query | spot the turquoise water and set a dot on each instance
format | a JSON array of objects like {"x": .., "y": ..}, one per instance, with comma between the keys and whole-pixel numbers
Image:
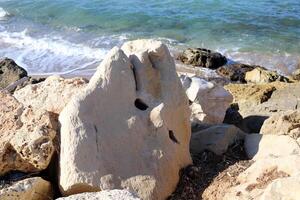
[{"x": 72, "y": 36}]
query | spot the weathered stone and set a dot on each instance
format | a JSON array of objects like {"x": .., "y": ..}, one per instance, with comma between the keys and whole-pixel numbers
[
  {"x": 29, "y": 189},
  {"x": 209, "y": 101},
  {"x": 287, "y": 188},
  {"x": 52, "y": 94},
  {"x": 262, "y": 174},
  {"x": 216, "y": 139},
  {"x": 261, "y": 75},
  {"x": 129, "y": 128},
  {"x": 10, "y": 72},
  {"x": 259, "y": 146},
  {"x": 235, "y": 72},
  {"x": 26, "y": 140},
  {"x": 285, "y": 123},
  {"x": 202, "y": 58},
  {"x": 264, "y": 99},
  {"x": 103, "y": 195},
  {"x": 296, "y": 75}
]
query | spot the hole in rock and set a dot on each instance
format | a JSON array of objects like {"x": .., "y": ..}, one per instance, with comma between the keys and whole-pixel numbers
[
  {"x": 172, "y": 137},
  {"x": 139, "y": 104}
]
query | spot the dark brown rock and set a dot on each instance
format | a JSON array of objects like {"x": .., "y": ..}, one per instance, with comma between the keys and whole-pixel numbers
[
  {"x": 202, "y": 58},
  {"x": 10, "y": 72},
  {"x": 236, "y": 72}
]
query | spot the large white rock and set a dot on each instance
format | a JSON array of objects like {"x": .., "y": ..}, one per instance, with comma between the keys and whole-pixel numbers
[
  {"x": 284, "y": 123},
  {"x": 209, "y": 101},
  {"x": 103, "y": 195},
  {"x": 52, "y": 94},
  {"x": 28, "y": 189},
  {"x": 259, "y": 146},
  {"x": 130, "y": 128},
  {"x": 26, "y": 136}
]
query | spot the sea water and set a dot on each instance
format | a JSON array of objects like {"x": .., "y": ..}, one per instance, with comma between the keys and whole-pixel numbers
[{"x": 73, "y": 36}]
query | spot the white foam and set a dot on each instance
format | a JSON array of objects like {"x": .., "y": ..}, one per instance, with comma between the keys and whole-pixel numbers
[
  {"x": 3, "y": 14},
  {"x": 48, "y": 54}
]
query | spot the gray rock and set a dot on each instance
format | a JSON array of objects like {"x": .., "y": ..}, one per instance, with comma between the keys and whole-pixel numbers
[
  {"x": 202, "y": 58},
  {"x": 10, "y": 72}
]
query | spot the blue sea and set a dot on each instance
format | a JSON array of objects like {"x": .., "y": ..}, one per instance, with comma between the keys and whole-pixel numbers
[{"x": 73, "y": 36}]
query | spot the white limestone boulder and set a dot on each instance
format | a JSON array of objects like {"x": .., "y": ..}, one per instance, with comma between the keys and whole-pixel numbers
[
  {"x": 103, "y": 195},
  {"x": 209, "y": 101},
  {"x": 28, "y": 189},
  {"x": 27, "y": 136},
  {"x": 52, "y": 94},
  {"x": 129, "y": 128}
]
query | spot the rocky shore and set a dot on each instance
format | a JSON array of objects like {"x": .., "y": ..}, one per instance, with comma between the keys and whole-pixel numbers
[{"x": 150, "y": 126}]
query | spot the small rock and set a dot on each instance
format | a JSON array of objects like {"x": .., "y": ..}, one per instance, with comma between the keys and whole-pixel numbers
[
  {"x": 259, "y": 146},
  {"x": 216, "y": 139},
  {"x": 261, "y": 75},
  {"x": 235, "y": 72},
  {"x": 285, "y": 123},
  {"x": 209, "y": 101},
  {"x": 103, "y": 195},
  {"x": 29, "y": 189},
  {"x": 296, "y": 74},
  {"x": 202, "y": 58},
  {"x": 10, "y": 72}
]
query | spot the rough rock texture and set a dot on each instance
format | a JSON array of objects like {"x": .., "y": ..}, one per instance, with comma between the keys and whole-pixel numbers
[
  {"x": 296, "y": 75},
  {"x": 30, "y": 81},
  {"x": 202, "y": 58},
  {"x": 103, "y": 195},
  {"x": 287, "y": 188},
  {"x": 235, "y": 72},
  {"x": 52, "y": 94},
  {"x": 285, "y": 123},
  {"x": 264, "y": 99},
  {"x": 259, "y": 146},
  {"x": 130, "y": 128},
  {"x": 260, "y": 75},
  {"x": 26, "y": 140},
  {"x": 254, "y": 182},
  {"x": 216, "y": 139},
  {"x": 209, "y": 101},
  {"x": 10, "y": 72},
  {"x": 29, "y": 189}
]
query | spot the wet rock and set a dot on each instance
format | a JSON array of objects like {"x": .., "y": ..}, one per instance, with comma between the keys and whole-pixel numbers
[
  {"x": 26, "y": 140},
  {"x": 103, "y": 195},
  {"x": 235, "y": 72},
  {"x": 202, "y": 58},
  {"x": 28, "y": 189},
  {"x": 10, "y": 72},
  {"x": 129, "y": 128}
]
